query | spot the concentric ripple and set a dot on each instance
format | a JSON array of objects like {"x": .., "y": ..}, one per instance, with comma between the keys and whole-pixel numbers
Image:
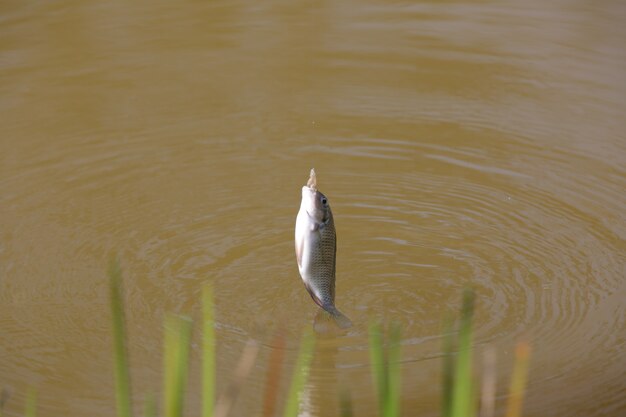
[{"x": 460, "y": 145}]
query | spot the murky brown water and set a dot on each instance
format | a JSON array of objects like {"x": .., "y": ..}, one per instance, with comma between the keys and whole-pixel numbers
[{"x": 461, "y": 144}]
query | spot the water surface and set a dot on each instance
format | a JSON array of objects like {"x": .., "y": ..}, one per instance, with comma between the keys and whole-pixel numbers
[{"x": 460, "y": 144}]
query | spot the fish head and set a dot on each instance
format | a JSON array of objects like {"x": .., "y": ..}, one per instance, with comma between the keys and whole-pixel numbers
[{"x": 316, "y": 205}]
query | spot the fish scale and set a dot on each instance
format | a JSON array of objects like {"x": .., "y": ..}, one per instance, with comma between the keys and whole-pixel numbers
[
  {"x": 316, "y": 249},
  {"x": 323, "y": 261}
]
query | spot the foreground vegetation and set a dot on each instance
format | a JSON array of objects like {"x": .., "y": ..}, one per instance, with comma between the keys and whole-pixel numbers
[{"x": 460, "y": 392}]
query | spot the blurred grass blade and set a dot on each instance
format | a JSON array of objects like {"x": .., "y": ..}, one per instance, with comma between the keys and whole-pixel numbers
[
  {"x": 122, "y": 377},
  {"x": 31, "y": 404},
  {"x": 448, "y": 369},
  {"x": 208, "y": 352},
  {"x": 244, "y": 366},
  {"x": 392, "y": 406},
  {"x": 386, "y": 369},
  {"x": 277, "y": 356},
  {"x": 462, "y": 392},
  {"x": 345, "y": 404},
  {"x": 176, "y": 363},
  {"x": 488, "y": 392},
  {"x": 300, "y": 374},
  {"x": 518, "y": 380},
  {"x": 377, "y": 362}
]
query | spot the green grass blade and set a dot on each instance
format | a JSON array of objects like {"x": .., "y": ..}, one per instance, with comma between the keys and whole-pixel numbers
[
  {"x": 377, "y": 362},
  {"x": 462, "y": 392},
  {"x": 122, "y": 376},
  {"x": 31, "y": 404},
  {"x": 300, "y": 374},
  {"x": 448, "y": 370},
  {"x": 176, "y": 363},
  {"x": 208, "y": 352},
  {"x": 394, "y": 374},
  {"x": 518, "y": 380}
]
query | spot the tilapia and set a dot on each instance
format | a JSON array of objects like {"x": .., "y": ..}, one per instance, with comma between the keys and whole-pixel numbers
[{"x": 316, "y": 249}]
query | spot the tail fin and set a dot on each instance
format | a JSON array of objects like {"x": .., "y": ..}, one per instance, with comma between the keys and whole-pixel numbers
[{"x": 341, "y": 319}]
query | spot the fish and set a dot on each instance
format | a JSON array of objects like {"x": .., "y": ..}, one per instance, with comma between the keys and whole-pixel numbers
[{"x": 316, "y": 249}]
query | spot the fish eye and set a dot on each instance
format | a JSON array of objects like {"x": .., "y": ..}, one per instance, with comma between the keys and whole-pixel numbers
[{"x": 324, "y": 201}]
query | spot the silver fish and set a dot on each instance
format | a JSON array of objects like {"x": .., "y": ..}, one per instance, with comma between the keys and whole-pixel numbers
[{"x": 316, "y": 249}]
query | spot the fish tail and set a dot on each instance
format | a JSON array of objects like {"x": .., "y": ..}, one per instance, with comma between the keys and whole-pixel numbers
[{"x": 341, "y": 319}]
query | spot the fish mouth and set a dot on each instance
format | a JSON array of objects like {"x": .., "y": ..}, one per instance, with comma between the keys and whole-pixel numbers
[
  {"x": 308, "y": 195},
  {"x": 308, "y": 200},
  {"x": 312, "y": 182}
]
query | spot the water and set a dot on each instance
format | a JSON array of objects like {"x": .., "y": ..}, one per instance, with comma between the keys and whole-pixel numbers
[{"x": 460, "y": 144}]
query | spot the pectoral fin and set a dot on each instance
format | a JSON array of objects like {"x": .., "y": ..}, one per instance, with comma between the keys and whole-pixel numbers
[{"x": 313, "y": 296}]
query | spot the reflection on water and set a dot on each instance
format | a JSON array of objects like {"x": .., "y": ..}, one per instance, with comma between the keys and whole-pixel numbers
[{"x": 460, "y": 145}]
